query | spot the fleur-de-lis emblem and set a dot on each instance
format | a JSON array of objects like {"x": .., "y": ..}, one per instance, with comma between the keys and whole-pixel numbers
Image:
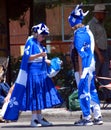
[
  {"x": 13, "y": 102},
  {"x": 27, "y": 50}
]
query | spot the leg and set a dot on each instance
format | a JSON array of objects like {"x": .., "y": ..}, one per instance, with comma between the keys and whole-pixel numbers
[
  {"x": 38, "y": 120},
  {"x": 84, "y": 102},
  {"x": 34, "y": 120},
  {"x": 95, "y": 104}
]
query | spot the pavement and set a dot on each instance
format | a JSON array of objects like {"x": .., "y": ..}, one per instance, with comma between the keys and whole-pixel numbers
[{"x": 62, "y": 113}]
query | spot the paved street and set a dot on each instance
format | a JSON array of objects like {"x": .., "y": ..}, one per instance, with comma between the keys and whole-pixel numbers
[
  {"x": 61, "y": 119},
  {"x": 56, "y": 125}
]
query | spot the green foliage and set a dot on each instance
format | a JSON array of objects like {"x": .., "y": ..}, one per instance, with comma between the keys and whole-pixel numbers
[{"x": 16, "y": 8}]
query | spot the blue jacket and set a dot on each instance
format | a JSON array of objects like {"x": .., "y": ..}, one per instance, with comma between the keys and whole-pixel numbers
[{"x": 4, "y": 88}]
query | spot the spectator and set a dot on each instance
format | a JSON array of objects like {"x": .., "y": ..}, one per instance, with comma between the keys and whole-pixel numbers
[
  {"x": 96, "y": 25},
  {"x": 4, "y": 88}
]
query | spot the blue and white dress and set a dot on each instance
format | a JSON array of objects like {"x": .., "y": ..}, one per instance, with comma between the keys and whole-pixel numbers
[
  {"x": 33, "y": 89},
  {"x": 40, "y": 92}
]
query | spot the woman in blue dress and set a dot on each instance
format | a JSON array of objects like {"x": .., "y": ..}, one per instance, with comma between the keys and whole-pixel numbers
[
  {"x": 37, "y": 89},
  {"x": 40, "y": 90}
]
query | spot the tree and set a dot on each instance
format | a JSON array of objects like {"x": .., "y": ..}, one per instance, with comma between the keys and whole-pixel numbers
[{"x": 16, "y": 8}]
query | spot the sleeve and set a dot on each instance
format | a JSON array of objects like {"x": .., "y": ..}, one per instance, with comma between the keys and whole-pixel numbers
[{"x": 81, "y": 46}]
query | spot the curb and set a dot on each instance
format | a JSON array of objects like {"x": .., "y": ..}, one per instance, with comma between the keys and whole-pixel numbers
[{"x": 63, "y": 113}]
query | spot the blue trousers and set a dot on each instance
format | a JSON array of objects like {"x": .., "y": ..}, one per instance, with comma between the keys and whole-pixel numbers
[{"x": 87, "y": 92}]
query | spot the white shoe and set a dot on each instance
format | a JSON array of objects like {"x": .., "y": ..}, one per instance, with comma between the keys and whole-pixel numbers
[
  {"x": 35, "y": 123},
  {"x": 44, "y": 122}
]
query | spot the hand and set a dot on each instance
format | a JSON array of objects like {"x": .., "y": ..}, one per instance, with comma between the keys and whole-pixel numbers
[
  {"x": 43, "y": 54},
  {"x": 48, "y": 61},
  {"x": 101, "y": 59},
  {"x": 7, "y": 98}
]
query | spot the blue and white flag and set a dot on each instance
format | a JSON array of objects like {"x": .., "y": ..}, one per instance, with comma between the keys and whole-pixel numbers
[{"x": 10, "y": 110}]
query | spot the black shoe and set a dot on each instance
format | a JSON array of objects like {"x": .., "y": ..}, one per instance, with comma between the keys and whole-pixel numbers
[
  {"x": 83, "y": 122},
  {"x": 2, "y": 121},
  {"x": 98, "y": 121}
]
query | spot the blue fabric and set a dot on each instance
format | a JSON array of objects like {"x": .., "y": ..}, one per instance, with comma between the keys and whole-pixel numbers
[
  {"x": 76, "y": 16},
  {"x": 41, "y": 92},
  {"x": 84, "y": 43},
  {"x": 56, "y": 64},
  {"x": 40, "y": 29},
  {"x": 1, "y": 101},
  {"x": 4, "y": 88},
  {"x": 33, "y": 89},
  {"x": 74, "y": 21},
  {"x": 11, "y": 109},
  {"x": 54, "y": 67}
]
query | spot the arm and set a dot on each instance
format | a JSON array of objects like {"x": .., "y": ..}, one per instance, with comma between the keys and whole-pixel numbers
[
  {"x": 9, "y": 94},
  {"x": 80, "y": 65},
  {"x": 101, "y": 58},
  {"x": 42, "y": 54}
]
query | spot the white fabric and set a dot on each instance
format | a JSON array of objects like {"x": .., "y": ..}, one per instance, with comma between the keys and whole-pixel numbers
[
  {"x": 77, "y": 78},
  {"x": 34, "y": 116},
  {"x": 22, "y": 77},
  {"x": 96, "y": 109}
]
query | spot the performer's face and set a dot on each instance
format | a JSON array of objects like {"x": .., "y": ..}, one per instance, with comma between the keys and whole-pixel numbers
[{"x": 41, "y": 37}]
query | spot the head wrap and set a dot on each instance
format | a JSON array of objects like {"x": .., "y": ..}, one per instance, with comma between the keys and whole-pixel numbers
[
  {"x": 76, "y": 16},
  {"x": 40, "y": 29}
]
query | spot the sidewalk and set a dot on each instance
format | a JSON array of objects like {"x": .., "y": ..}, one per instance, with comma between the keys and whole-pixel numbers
[{"x": 63, "y": 113}]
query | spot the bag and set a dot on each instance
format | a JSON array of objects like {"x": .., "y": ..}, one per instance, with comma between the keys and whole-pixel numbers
[{"x": 74, "y": 103}]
